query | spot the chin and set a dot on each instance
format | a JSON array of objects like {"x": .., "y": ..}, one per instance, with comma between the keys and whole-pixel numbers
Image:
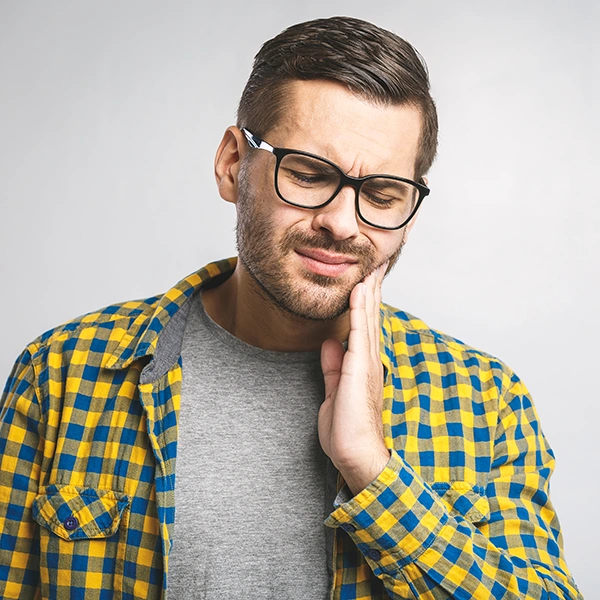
[
  {"x": 316, "y": 313},
  {"x": 315, "y": 303}
]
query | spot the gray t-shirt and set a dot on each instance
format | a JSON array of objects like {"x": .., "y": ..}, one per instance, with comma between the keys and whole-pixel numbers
[{"x": 253, "y": 485}]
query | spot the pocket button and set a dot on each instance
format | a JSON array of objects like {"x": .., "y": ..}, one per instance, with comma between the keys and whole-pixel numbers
[{"x": 71, "y": 523}]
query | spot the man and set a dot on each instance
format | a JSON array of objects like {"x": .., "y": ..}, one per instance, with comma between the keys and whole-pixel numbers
[{"x": 267, "y": 428}]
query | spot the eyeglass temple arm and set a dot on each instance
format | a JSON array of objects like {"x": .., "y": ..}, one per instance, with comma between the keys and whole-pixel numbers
[{"x": 256, "y": 142}]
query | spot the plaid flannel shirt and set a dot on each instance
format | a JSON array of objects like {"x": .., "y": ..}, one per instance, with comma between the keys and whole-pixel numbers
[{"x": 88, "y": 441}]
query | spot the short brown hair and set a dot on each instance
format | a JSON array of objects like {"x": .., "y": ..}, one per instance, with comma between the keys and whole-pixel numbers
[{"x": 370, "y": 61}]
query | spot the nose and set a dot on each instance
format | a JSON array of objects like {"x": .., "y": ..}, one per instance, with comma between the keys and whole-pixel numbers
[{"x": 339, "y": 217}]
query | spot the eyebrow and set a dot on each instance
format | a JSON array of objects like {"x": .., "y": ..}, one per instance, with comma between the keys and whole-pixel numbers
[
  {"x": 313, "y": 162},
  {"x": 389, "y": 181}
]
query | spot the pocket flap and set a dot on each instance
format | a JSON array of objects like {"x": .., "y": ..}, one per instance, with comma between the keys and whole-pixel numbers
[
  {"x": 75, "y": 513},
  {"x": 464, "y": 499}
]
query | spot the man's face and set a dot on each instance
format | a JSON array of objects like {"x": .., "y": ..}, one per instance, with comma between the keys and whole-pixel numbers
[{"x": 307, "y": 261}]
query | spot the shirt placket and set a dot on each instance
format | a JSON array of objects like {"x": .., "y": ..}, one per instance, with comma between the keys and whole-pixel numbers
[{"x": 160, "y": 400}]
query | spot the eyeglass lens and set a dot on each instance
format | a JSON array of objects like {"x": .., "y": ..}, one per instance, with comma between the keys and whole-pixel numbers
[{"x": 310, "y": 182}]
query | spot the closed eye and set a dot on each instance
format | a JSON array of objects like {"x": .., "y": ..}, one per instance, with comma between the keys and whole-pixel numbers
[
  {"x": 380, "y": 200},
  {"x": 307, "y": 178}
]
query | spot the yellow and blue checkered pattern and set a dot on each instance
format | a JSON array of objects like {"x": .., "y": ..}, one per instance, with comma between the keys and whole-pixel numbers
[{"x": 88, "y": 442}]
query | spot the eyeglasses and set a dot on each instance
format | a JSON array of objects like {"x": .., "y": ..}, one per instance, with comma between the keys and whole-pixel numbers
[{"x": 310, "y": 181}]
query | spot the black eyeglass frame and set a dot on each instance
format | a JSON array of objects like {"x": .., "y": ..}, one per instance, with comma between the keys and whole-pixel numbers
[{"x": 355, "y": 182}]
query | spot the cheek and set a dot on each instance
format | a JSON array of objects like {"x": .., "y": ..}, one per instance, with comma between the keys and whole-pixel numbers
[
  {"x": 386, "y": 243},
  {"x": 290, "y": 218}
]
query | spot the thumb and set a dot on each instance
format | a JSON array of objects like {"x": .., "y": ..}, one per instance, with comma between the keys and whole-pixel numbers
[{"x": 332, "y": 356}]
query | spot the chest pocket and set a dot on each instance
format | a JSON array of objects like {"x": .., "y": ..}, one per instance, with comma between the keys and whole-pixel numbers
[
  {"x": 464, "y": 500},
  {"x": 83, "y": 542},
  {"x": 74, "y": 513}
]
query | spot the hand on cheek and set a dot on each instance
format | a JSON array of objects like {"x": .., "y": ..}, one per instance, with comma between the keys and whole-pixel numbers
[{"x": 350, "y": 426}]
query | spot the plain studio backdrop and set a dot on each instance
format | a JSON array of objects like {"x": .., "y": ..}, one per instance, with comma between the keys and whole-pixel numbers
[{"x": 111, "y": 113}]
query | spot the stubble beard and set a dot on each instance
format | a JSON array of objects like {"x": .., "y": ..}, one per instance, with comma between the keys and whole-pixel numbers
[{"x": 314, "y": 297}]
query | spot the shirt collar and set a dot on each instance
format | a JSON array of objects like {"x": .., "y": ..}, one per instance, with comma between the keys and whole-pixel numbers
[{"x": 133, "y": 347}]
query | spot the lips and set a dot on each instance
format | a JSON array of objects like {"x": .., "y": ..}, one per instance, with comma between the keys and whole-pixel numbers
[
  {"x": 326, "y": 257},
  {"x": 325, "y": 263}
]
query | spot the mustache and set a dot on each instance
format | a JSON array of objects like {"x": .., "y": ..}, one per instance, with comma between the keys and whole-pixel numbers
[{"x": 293, "y": 239}]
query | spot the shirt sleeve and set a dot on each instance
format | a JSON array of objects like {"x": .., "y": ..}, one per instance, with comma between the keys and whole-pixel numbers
[
  {"x": 505, "y": 545},
  {"x": 20, "y": 463}
]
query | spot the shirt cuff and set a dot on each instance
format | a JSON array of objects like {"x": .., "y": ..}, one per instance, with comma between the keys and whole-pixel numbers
[{"x": 393, "y": 520}]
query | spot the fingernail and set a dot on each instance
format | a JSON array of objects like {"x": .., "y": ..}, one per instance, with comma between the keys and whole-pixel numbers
[{"x": 364, "y": 289}]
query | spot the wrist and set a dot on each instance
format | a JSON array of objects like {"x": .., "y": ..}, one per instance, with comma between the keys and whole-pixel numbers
[{"x": 359, "y": 475}]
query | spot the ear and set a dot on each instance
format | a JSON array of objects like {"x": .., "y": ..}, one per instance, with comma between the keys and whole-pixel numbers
[{"x": 228, "y": 159}]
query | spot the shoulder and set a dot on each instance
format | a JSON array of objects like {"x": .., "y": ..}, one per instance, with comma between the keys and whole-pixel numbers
[
  {"x": 411, "y": 336},
  {"x": 428, "y": 355},
  {"x": 418, "y": 332},
  {"x": 115, "y": 335},
  {"x": 100, "y": 331},
  {"x": 80, "y": 347}
]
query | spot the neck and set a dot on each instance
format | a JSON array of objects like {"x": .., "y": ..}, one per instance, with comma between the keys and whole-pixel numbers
[{"x": 241, "y": 307}]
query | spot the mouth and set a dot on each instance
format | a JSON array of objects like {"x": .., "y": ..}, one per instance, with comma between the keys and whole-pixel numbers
[{"x": 325, "y": 263}]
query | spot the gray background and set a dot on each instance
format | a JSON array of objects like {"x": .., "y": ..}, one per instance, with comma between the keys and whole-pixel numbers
[{"x": 110, "y": 114}]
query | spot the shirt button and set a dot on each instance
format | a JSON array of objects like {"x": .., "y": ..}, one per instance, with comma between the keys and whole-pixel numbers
[
  {"x": 348, "y": 527},
  {"x": 71, "y": 523},
  {"x": 374, "y": 554}
]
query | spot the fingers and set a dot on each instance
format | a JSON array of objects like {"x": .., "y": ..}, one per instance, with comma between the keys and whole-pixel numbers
[
  {"x": 376, "y": 308},
  {"x": 375, "y": 280},
  {"x": 364, "y": 313},
  {"x": 359, "y": 325},
  {"x": 381, "y": 271},
  {"x": 371, "y": 283}
]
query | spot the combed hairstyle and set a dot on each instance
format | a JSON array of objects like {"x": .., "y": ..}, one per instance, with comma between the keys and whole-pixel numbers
[{"x": 370, "y": 61}]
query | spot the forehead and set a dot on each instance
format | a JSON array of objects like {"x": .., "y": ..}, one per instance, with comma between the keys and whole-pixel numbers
[{"x": 363, "y": 137}]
